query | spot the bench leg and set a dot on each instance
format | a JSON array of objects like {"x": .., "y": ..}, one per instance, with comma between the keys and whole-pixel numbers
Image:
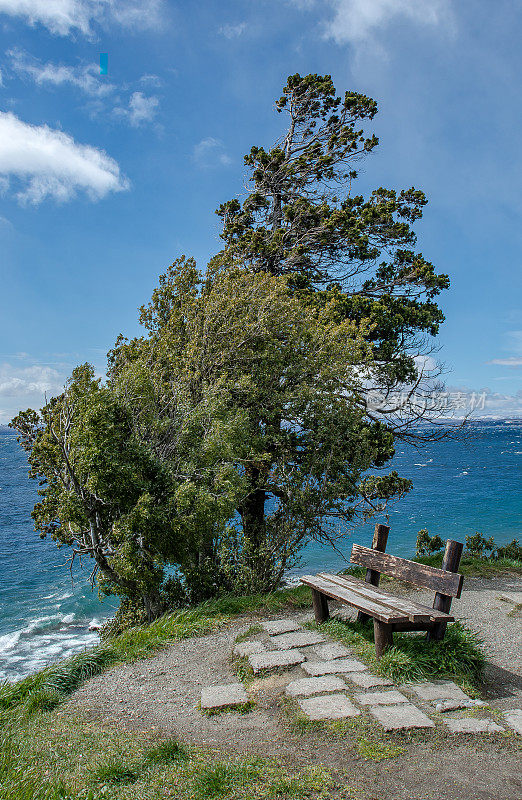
[
  {"x": 320, "y": 602},
  {"x": 383, "y": 635}
]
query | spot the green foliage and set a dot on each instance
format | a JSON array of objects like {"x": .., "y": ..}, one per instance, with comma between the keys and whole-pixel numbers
[
  {"x": 166, "y": 752},
  {"x": 426, "y": 544},
  {"x": 478, "y": 546},
  {"x": 114, "y": 771},
  {"x": 457, "y": 656},
  {"x": 512, "y": 551}
]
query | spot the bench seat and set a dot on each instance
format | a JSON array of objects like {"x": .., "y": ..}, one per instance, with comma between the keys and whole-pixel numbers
[{"x": 377, "y": 603}]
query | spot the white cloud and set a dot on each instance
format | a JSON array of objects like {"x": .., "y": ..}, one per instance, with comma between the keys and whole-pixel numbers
[
  {"x": 37, "y": 379},
  {"x": 86, "y": 78},
  {"x": 63, "y": 17},
  {"x": 357, "y": 21},
  {"x": 49, "y": 163},
  {"x": 506, "y": 362},
  {"x": 210, "y": 152},
  {"x": 233, "y": 31},
  {"x": 141, "y": 109}
]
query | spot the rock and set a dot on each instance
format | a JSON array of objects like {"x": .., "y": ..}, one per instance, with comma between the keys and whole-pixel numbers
[
  {"x": 437, "y": 690},
  {"x": 366, "y": 680},
  {"x": 245, "y": 649},
  {"x": 332, "y": 650},
  {"x": 514, "y": 719},
  {"x": 468, "y": 725},
  {"x": 380, "y": 698},
  {"x": 336, "y": 666},
  {"x": 275, "y": 626},
  {"x": 285, "y": 641},
  {"x": 512, "y": 597},
  {"x": 232, "y": 694},
  {"x": 308, "y": 686},
  {"x": 329, "y": 706},
  {"x": 401, "y": 717},
  {"x": 94, "y": 626},
  {"x": 275, "y": 659}
]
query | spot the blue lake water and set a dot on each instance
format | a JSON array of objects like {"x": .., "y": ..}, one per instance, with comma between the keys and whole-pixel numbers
[{"x": 459, "y": 487}]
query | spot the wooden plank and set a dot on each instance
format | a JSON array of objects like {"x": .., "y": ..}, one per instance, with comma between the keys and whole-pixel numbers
[
  {"x": 379, "y": 541},
  {"x": 419, "y": 608},
  {"x": 375, "y": 610},
  {"x": 448, "y": 583},
  {"x": 386, "y": 599}
]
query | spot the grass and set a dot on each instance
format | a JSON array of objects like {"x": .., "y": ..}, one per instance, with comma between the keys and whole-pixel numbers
[
  {"x": 48, "y": 688},
  {"x": 56, "y": 756},
  {"x": 237, "y": 708},
  {"x": 476, "y": 566},
  {"x": 458, "y": 656}
]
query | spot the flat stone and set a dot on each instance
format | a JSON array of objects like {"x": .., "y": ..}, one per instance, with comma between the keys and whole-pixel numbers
[
  {"x": 328, "y": 706},
  {"x": 304, "y": 687},
  {"x": 332, "y": 650},
  {"x": 275, "y": 659},
  {"x": 469, "y": 725},
  {"x": 245, "y": 649},
  {"x": 337, "y": 666},
  {"x": 401, "y": 717},
  {"x": 232, "y": 694},
  {"x": 366, "y": 680},
  {"x": 452, "y": 705},
  {"x": 438, "y": 690},
  {"x": 380, "y": 698},
  {"x": 284, "y": 641},
  {"x": 275, "y": 626},
  {"x": 513, "y": 597},
  {"x": 514, "y": 719}
]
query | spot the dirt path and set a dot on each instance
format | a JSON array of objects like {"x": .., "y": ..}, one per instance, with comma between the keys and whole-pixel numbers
[{"x": 162, "y": 693}]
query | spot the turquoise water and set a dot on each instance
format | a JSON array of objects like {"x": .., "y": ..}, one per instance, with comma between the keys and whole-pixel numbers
[{"x": 459, "y": 487}]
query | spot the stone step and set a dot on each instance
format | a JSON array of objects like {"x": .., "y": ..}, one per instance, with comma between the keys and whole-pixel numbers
[
  {"x": 215, "y": 697},
  {"x": 337, "y": 666},
  {"x": 275, "y": 659},
  {"x": 401, "y": 717},
  {"x": 309, "y": 686},
  {"x": 328, "y": 706}
]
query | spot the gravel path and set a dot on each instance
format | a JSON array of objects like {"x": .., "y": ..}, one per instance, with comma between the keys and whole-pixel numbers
[{"x": 162, "y": 693}]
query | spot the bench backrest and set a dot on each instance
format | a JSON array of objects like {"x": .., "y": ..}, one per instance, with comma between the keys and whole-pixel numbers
[{"x": 446, "y": 583}]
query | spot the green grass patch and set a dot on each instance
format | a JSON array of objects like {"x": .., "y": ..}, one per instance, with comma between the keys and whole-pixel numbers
[
  {"x": 237, "y": 708},
  {"x": 166, "y": 753},
  {"x": 458, "y": 656},
  {"x": 48, "y": 688},
  {"x": 251, "y": 631},
  {"x": 114, "y": 771},
  {"x": 476, "y": 566},
  {"x": 378, "y": 750}
]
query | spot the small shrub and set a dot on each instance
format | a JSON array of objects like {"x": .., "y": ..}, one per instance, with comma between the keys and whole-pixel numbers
[
  {"x": 478, "y": 546},
  {"x": 426, "y": 544},
  {"x": 513, "y": 551}
]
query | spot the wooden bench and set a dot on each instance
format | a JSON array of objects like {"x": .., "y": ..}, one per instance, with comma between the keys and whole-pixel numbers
[{"x": 391, "y": 613}]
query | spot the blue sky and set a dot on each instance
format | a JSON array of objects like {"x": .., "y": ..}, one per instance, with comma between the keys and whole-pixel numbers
[{"x": 105, "y": 180}]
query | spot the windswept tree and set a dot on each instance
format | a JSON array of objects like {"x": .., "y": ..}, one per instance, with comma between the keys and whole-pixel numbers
[{"x": 304, "y": 218}]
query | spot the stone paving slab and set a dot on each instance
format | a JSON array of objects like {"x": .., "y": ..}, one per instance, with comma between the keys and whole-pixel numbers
[
  {"x": 274, "y": 659},
  {"x": 245, "y": 649},
  {"x": 365, "y": 680},
  {"x": 304, "y": 687},
  {"x": 452, "y": 705},
  {"x": 336, "y": 666},
  {"x": 513, "y": 597},
  {"x": 332, "y": 650},
  {"x": 513, "y": 718},
  {"x": 329, "y": 706},
  {"x": 275, "y": 626},
  {"x": 380, "y": 698},
  {"x": 437, "y": 690},
  {"x": 232, "y": 694},
  {"x": 469, "y": 725},
  {"x": 401, "y": 717},
  {"x": 284, "y": 641}
]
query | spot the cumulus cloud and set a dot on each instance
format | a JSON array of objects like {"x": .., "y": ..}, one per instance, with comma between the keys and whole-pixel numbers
[
  {"x": 141, "y": 109},
  {"x": 233, "y": 31},
  {"x": 37, "y": 379},
  {"x": 210, "y": 152},
  {"x": 49, "y": 163},
  {"x": 63, "y": 17},
  {"x": 357, "y": 21},
  {"x": 86, "y": 78}
]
